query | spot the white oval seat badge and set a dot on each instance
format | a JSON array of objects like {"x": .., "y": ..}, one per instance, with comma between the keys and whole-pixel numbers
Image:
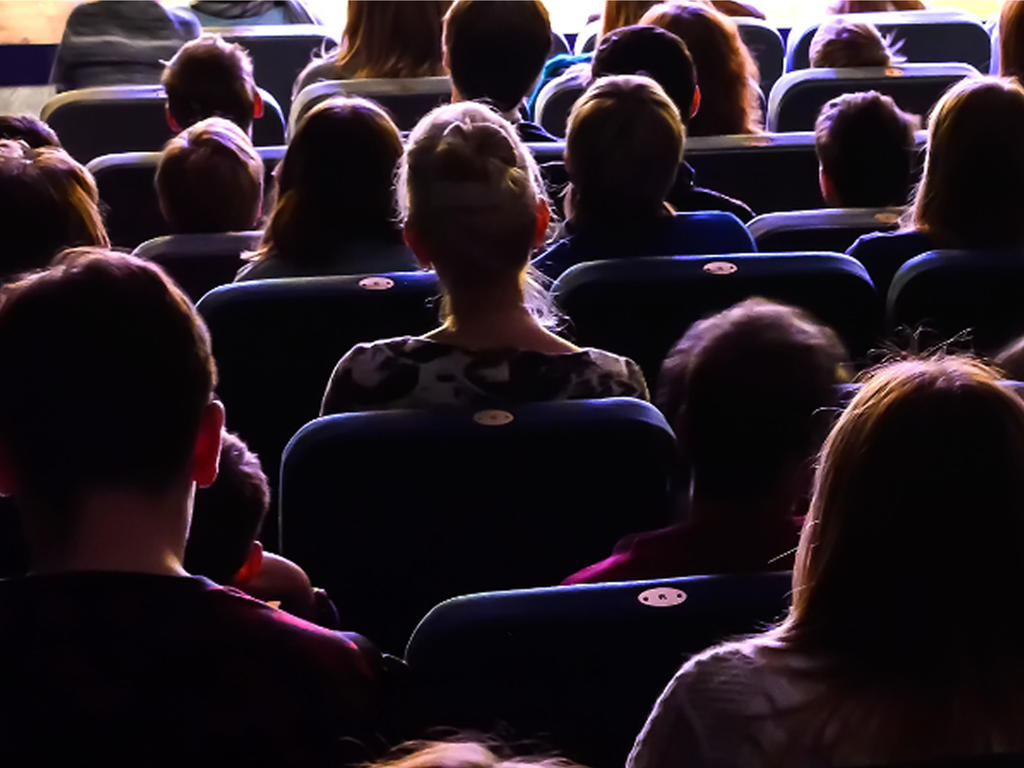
[
  {"x": 662, "y": 597},
  {"x": 493, "y": 418},
  {"x": 376, "y": 283},
  {"x": 720, "y": 268}
]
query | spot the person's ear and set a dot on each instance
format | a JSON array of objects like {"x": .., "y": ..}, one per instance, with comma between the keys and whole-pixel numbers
[
  {"x": 412, "y": 239},
  {"x": 171, "y": 122},
  {"x": 206, "y": 455},
  {"x": 695, "y": 104},
  {"x": 257, "y": 106},
  {"x": 252, "y": 566},
  {"x": 828, "y": 188},
  {"x": 540, "y": 233}
]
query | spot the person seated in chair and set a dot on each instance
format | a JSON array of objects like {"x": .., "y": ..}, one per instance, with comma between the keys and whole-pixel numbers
[
  {"x": 231, "y": 13},
  {"x": 843, "y": 42},
  {"x": 750, "y": 393},
  {"x": 30, "y": 129}
]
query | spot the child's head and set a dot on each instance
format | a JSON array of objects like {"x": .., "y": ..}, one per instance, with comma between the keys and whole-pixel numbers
[
  {"x": 209, "y": 77},
  {"x": 227, "y": 516},
  {"x": 392, "y": 38},
  {"x": 844, "y": 42},
  {"x": 656, "y": 53},
  {"x": 624, "y": 142},
  {"x": 28, "y": 128},
  {"x": 210, "y": 179},
  {"x": 972, "y": 191},
  {"x": 749, "y": 392},
  {"x": 495, "y": 49},
  {"x": 48, "y": 202},
  {"x": 865, "y": 146}
]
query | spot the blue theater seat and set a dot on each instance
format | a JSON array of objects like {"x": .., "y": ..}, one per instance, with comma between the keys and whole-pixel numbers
[
  {"x": 577, "y": 668},
  {"x": 882, "y": 254},
  {"x": 406, "y": 99},
  {"x": 199, "y": 263},
  {"x": 828, "y": 229},
  {"x": 395, "y": 511},
  {"x": 798, "y": 97},
  {"x": 640, "y": 307},
  {"x": 554, "y": 103},
  {"x": 131, "y": 118}
]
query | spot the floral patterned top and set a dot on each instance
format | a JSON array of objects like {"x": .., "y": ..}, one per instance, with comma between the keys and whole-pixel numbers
[{"x": 410, "y": 372}]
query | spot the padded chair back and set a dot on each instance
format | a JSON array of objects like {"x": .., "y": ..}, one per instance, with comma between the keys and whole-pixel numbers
[
  {"x": 279, "y": 52},
  {"x": 128, "y": 195},
  {"x": 131, "y": 118},
  {"x": 798, "y": 97},
  {"x": 829, "y": 229},
  {"x": 405, "y": 99},
  {"x": 199, "y": 263},
  {"x": 539, "y": 491},
  {"x": 277, "y": 341},
  {"x": 927, "y": 36},
  {"x": 946, "y": 293},
  {"x": 554, "y": 103},
  {"x": 640, "y": 307},
  {"x": 578, "y": 668}
]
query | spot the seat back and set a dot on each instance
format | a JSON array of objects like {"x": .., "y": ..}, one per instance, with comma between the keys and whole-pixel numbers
[
  {"x": 798, "y": 97},
  {"x": 279, "y": 52},
  {"x": 405, "y": 99},
  {"x": 829, "y": 229},
  {"x": 128, "y": 195},
  {"x": 131, "y": 118},
  {"x": 640, "y": 307},
  {"x": 577, "y": 668},
  {"x": 554, "y": 103},
  {"x": 199, "y": 263},
  {"x": 946, "y": 293},
  {"x": 276, "y": 343},
  {"x": 926, "y": 36},
  {"x": 539, "y": 491}
]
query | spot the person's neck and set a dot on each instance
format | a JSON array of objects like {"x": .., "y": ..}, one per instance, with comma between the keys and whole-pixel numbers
[
  {"x": 496, "y": 321},
  {"x": 120, "y": 531},
  {"x": 764, "y": 511}
]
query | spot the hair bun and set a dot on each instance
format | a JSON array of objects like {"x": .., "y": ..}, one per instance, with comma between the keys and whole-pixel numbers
[{"x": 473, "y": 149}]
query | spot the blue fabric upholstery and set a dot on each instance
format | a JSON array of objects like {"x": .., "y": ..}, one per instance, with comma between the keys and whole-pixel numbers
[
  {"x": 199, "y": 263},
  {"x": 405, "y": 99},
  {"x": 883, "y": 253},
  {"x": 828, "y": 229}
]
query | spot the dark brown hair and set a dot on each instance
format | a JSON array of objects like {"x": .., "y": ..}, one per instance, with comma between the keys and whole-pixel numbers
[
  {"x": 1011, "y": 40},
  {"x": 622, "y": 13},
  {"x": 875, "y": 6},
  {"x": 393, "y": 38},
  {"x": 845, "y": 42},
  {"x": 28, "y": 128},
  {"x": 209, "y": 77}
]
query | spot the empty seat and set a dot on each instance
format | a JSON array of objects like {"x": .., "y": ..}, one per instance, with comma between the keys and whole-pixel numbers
[
  {"x": 927, "y": 36},
  {"x": 128, "y": 196},
  {"x": 883, "y": 253},
  {"x": 199, "y": 263},
  {"x": 371, "y": 508},
  {"x": 640, "y": 307},
  {"x": 947, "y": 293},
  {"x": 577, "y": 668},
  {"x": 555, "y": 101},
  {"x": 798, "y": 97},
  {"x": 828, "y": 229},
  {"x": 405, "y": 99}
]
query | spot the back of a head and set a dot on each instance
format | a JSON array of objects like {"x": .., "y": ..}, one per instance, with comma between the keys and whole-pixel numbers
[
  {"x": 751, "y": 392},
  {"x": 654, "y": 52},
  {"x": 393, "y": 38},
  {"x": 114, "y": 372},
  {"x": 48, "y": 202},
  {"x": 495, "y": 49},
  {"x": 726, "y": 72},
  {"x": 1011, "y": 40},
  {"x": 624, "y": 142},
  {"x": 209, "y": 77},
  {"x": 865, "y": 145},
  {"x": 622, "y": 13},
  {"x": 210, "y": 179},
  {"x": 972, "y": 191},
  {"x": 335, "y": 182},
  {"x": 463, "y": 754},
  {"x": 875, "y": 6},
  {"x": 30, "y": 129},
  {"x": 844, "y": 42}
]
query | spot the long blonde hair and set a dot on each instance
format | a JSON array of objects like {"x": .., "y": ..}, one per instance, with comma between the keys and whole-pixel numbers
[{"x": 393, "y": 38}]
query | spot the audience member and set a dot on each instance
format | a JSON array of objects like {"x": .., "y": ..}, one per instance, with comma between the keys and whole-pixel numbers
[
  {"x": 726, "y": 72},
  {"x": 48, "y": 202},
  {"x": 210, "y": 179},
  {"x": 383, "y": 38},
  {"x": 103, "y": 468},
  {"x": 247, "y": 13},
  {"x": 875, "y": 6},
  {"x": 29, "y": 129},
  {"x": 472, "y": 203},
  {"x": 211, "y": 78},
  {"x": 335, "y": 199},
  {"x": 1011, "y": 40},
  {"x": 890, "y": 655},
  {"x": 622, "y": 13},
  {"x": 972, "y": 192},
  {"x": 866, "y": 151},
  {"x": 660, "y": 55},
  {"x": 494, "y": 51},
  {"x": 845, "y": 42},
  {"x": 462, "y": 754},
  {"x": 750, "y": 394},
  {"x": 109, "y": 42}
]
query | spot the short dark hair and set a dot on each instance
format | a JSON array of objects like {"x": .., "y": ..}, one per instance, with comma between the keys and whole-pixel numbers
[
  {"x": 111, "y": 373},
  {"x": 845, "y": 42},
  {"x": 227, "y": 516},
  {"x": 29, "y": 129},
  {"x": 496, "y": 49},
  {"x": 209, "y": 77},
  {"x": 865, "y": 145},
  {"x": 749, "y": 392},
  {"x": 651, "y": 51}
]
